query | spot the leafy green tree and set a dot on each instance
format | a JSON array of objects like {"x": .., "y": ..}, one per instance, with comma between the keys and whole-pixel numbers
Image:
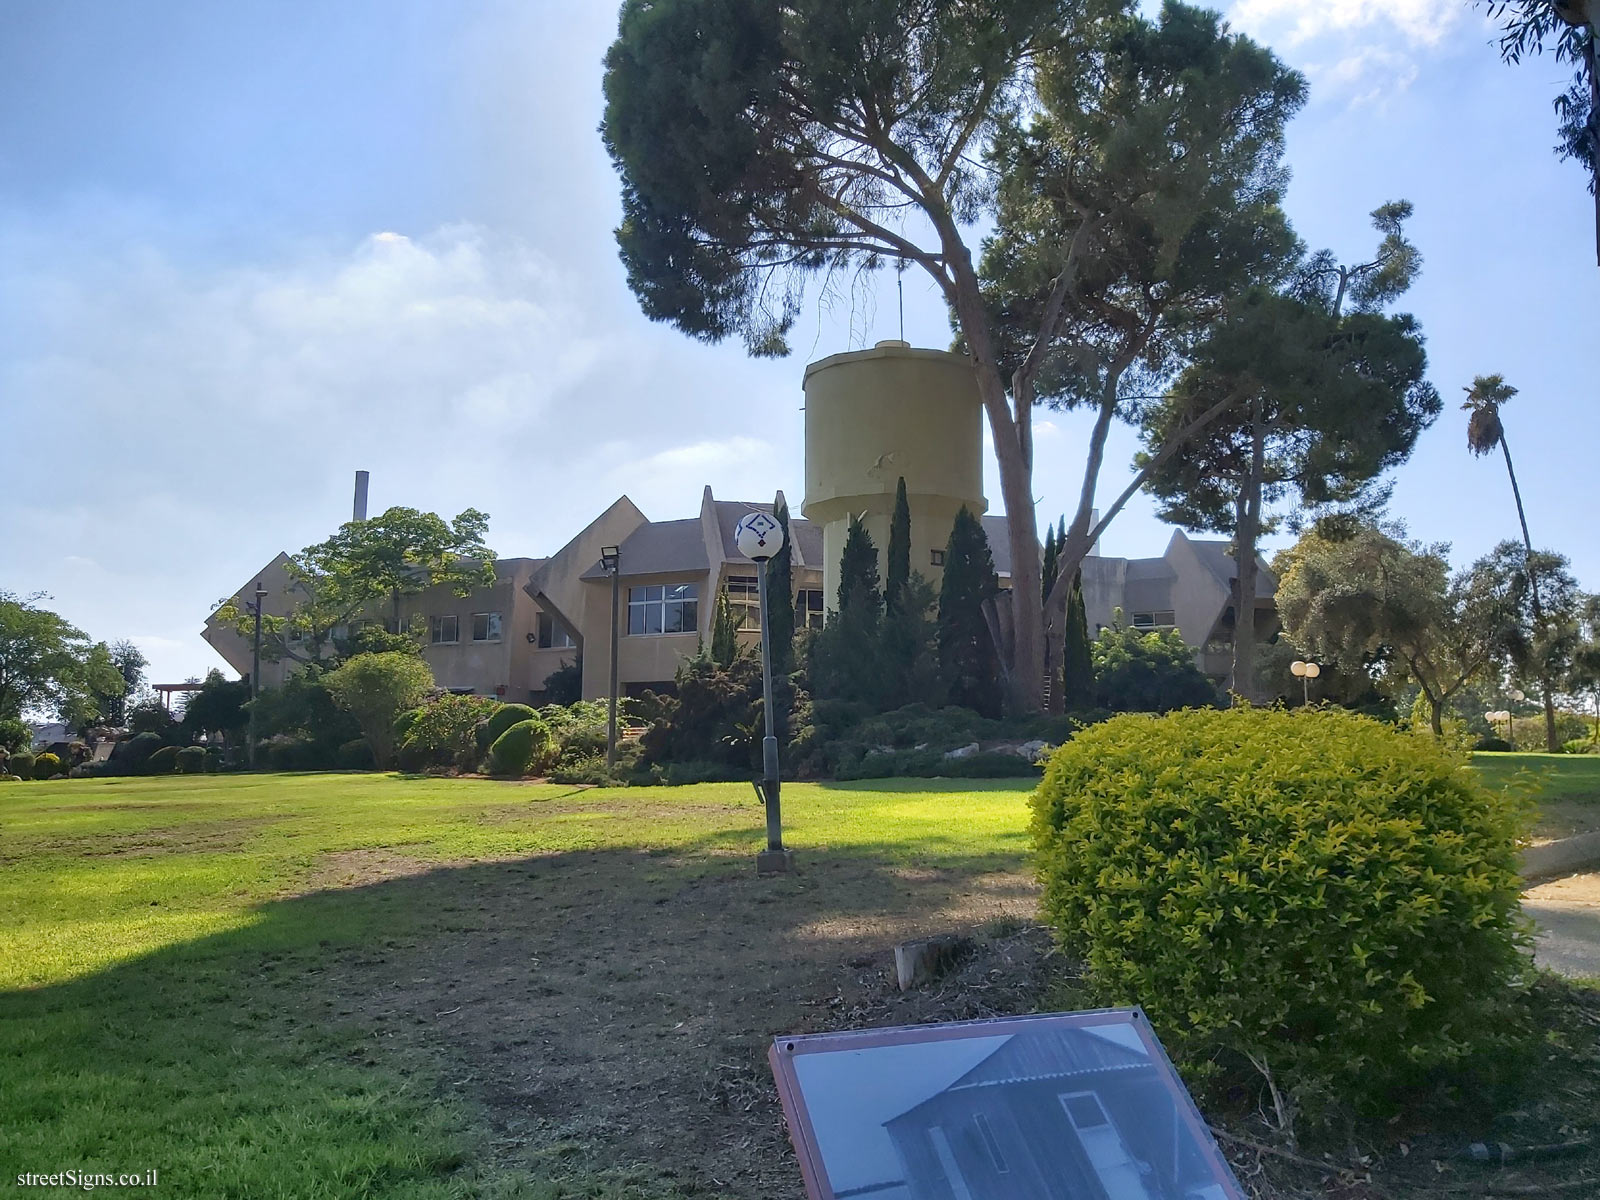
[
  {"x": 1583, "y": 676},
  {"x": 47, "y": 664},
  {"x": 1320, "y": 402},
  {"x": 1568, "y": 28},
  {"x": 899, "y": 564},
  {"x": 1547, "y": 632},
  {"x": 779, "y": 617},
  {"x": 111, "y": 703},
  {"x": 1371, "y": 597},
  {"x": 221, "y": 706},
  {"x": 375, "y": 689},
  {"x": 1154, "y": 671},
  {"x": 1077, "y": 676},
  {"x": 724, "y": 632},
  {"x": 760, "y": 144},
  {"x": 967, "y": 659},
  {"x": 363, "y": 568}
]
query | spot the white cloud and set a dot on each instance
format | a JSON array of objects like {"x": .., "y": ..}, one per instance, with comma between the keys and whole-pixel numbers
[
  {"x": 1424, "y": 22},
  {"x": 1368, "y": 76}
]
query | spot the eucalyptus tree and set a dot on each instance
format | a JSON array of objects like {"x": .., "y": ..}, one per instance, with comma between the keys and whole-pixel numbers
[
  {"x": 1548, "y": 631},
  {"x": 1568, "y": 29},
  {"x": 1130, "y": 169},
  {"x": 1320, "y": 403}
]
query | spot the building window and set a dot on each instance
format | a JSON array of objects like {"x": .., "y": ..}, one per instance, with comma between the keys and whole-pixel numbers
[
  {"x": 808, "y": 609},
  {"x": 936, "y": 558},
  {"x": 486, "y": 627},
  {"x": 744, "y": 597},
  {"x": 663, "y": 608},
  {"x": 1154, "y": 620},
  {"x": 444, "y": 631},
  {"x": 991, "y": 1144},
  {"x": 552, "y": 634}
]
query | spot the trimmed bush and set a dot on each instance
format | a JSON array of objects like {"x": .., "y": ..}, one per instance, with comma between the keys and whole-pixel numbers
[
  {"x": 501, "y": 719},
  {"x": 47, "y": 766},
  {"x": 1491, "y": 744},
  {"x": 191, "y": 760},
  {"x": 295, "y": 752},
  {"x": 162, "y": 761},
  {"x": 1308, "y": 895},
  {"x": 21, "y": 765},
  {"x": 356, "y": 756},
  {"x": 131, "y": 754},
  {"x": 524, "y": 748}
]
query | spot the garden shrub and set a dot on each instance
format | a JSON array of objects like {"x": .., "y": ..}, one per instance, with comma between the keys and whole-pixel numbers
[
  {"x": 294, "y": 752},
  {"x": 21, "y": 765},
  {"x": 1147, "y": 671},
  {"x": 162, "y": 761},
  {"x": 47, "y": 766},
  {"x": 524, "y": 748},
  {"x": 131, "y": 754},
  {"x": 932, "y": 764},
  {"x": 1310, "y": 891},
  {"x": 191, "y": 760},
  {"x": 444, "y": 732},
  {"x": 1491, "y": 744},
  {"x": 356, "y": 755},
  {"x": 501, "y": 719},
  {"x": 1582, "y": 745}
]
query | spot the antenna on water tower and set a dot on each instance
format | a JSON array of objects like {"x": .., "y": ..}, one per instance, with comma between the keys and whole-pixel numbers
[
  {"x": 359, "y": 511},
  {"x": 900, "y": 286}
]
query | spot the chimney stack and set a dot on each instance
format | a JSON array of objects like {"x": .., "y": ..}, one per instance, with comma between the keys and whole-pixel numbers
[{"x": 360, "y": 511}]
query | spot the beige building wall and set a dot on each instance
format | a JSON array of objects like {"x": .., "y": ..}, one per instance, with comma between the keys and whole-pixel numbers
[{"x": 873, "y": 416}]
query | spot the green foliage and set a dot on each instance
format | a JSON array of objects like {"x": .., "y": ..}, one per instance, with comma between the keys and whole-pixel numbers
[
  {"x": 968, "y": 663},
  {"x": 133, "y": 753},
  {"x": 564, "y": 685},
  {"x": 1490, "y": 742},
  {"x": 724, "y": 632},
  {"x": 1147, "y": 672},
  {"x": 444, "y": 732},
  {"x": 899, "y": 557},
  {"x": 21, "y": 765},
  {"x": 14, "y": 735},
  {"x": 779, "y": 616},
  {"x": 858, "y": 570},
  {"x": 355, "y": 755},
  {"x": 1583, "y": 745},
  {"x": 47, "y": 766},
  {"x": 580, "y": 729},
  {"x": 152, "y": 717},
  {"x": 717, "y": 716},
  {"x": 295, "y": 752},
  {"x": 526, "y": 747},
  {"x": 191, "y": 760},
  {"x": 221, "y": 706},
  {"x": 500, "y": 720},
  {"x": 1077, "y": 675},
  {"x": 47, "y": 663},
  {"x": 301, "y": 708},
  {"x": 376, "y": 688},
  {"x": 162, "y": 762},
  {"x": 1309, "y": 892}
]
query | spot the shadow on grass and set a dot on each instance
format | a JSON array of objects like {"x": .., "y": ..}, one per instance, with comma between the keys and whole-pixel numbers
[{"x": 488, "y": 1030}]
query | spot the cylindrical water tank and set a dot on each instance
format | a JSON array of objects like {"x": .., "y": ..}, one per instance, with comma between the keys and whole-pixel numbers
[{"x": 874, "y": 416}]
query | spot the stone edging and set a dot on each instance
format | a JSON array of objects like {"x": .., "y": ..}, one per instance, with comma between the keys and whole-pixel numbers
[{"x": 1564, "y": 856}]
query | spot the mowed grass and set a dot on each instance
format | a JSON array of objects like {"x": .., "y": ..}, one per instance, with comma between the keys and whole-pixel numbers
[
  {"x": 157, "y": 936},
  {"x": 1565, "y": 787}
]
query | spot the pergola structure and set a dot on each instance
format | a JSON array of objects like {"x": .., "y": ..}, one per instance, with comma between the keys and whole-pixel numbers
[{"x": 166, "y": 689}]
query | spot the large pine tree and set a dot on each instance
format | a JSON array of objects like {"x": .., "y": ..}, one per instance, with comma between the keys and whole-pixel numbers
[
  {"x": 967, "y": 658},
  {"x": 779, "y": 616}
]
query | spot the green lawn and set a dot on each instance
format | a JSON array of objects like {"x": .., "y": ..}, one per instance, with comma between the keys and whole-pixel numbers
[
  {"x": 188, "y": 964},
  {"x": 1566, "y": 787}
]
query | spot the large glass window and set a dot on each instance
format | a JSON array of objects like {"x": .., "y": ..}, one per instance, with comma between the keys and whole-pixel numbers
[
  {"x": 808, "y": 608},
  {"x": 444, "y": 631},
  {"x": 552, "y": 634},
  {"x": 1154, "y": 620},
  {"x": 744, "y": 597},
  {"x": 663, "y": 608},
  {"x": 486, "y": 627}
]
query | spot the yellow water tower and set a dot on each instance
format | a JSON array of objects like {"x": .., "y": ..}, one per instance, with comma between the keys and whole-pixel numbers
[{"x": 875, "y": 415}]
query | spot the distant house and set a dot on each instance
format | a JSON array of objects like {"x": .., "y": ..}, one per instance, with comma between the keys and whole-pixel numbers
[{"x": 1058, "y": 1115}]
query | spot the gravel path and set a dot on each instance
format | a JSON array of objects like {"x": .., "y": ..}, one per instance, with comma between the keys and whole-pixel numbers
[{"x": 1568, "y": 915}]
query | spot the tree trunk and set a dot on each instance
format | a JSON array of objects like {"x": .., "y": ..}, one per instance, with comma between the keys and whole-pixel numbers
[
  {"x": 1247, "y": 531},
  {"x": 1436, "y": 715},
  {"x": 1551, "y": 744}
]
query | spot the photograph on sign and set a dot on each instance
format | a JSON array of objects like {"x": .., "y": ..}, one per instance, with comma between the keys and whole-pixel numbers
[{"x": 1067, "y": 1106}]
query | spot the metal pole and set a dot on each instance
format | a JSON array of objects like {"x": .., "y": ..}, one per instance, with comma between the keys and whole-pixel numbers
[
  {"x": 1305, "y": 690},
  {"x": 769, "y": 745},
  {"x": 611, "y": 720},
  {"x": 255, "y": 677}
]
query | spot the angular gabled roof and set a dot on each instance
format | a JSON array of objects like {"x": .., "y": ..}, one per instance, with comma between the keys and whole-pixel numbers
[
  {"x": 1214, "y": 556},
  {"x": 660, "y": 547}
]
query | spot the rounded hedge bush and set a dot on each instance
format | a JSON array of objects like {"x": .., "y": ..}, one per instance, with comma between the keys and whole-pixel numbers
[
  {"x": 47, "y": 766},
  {"x": 1307, "y": 895},
  {"x": 356, "y": 755},
  {"x": 162, "y": 761},
  {"x": 21, "y": 765},
  {"x": 191, "y": 760},
  {"x": 133, "y": 752},
  {"x": 500, "y": 720},
  {"x": 525, "y": 747}
]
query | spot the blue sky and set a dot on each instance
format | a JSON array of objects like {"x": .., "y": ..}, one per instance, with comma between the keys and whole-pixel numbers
[{"x": 247, "y": 249}]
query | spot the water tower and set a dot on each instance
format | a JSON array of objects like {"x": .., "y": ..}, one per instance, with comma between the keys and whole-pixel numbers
[{"x": 875, "y": 415}]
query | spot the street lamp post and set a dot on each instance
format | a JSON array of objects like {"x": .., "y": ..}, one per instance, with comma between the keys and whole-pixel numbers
[
  {"x": 1517, "y": 697},
  {"x": 611, "y": 560},
  {"x": 255, "y": 674},
  {"x": 759, "y": 537},
  {"x": 1305, "y": 672}
]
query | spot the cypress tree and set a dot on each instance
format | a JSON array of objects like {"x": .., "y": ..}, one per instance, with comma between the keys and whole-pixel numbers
[
  {"x": 724, "y": 632},
  {"x": 1051, "y": 552},
  {"x": 967, "y": 658},
  {"x": 1077, "y": 677},
  {"x": 780, "y": 596},
  {"x": 899, "y": 548},
  {"x": 858, "y": 570}
]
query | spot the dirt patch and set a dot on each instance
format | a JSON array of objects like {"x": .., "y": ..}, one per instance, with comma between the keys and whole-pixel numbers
[
  {"x": 356, "y": 868},
  {"x": 197, "y": 837}
]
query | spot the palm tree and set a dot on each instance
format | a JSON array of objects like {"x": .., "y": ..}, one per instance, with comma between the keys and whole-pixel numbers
[{"x": 1485, "y": 431}]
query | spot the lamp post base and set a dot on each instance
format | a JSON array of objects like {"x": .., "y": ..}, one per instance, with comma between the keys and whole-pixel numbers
[{"x": 775, "y": 862}]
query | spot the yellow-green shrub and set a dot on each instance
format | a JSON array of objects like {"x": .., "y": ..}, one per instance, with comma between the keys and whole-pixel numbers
[
  {"x": 47, "y": 766},
  {"x": 1309, "y": 891},
  {"x": 527, "y": 746}
]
